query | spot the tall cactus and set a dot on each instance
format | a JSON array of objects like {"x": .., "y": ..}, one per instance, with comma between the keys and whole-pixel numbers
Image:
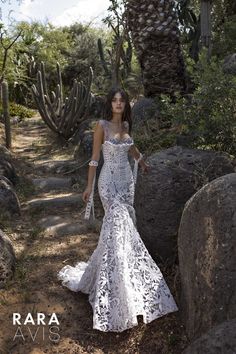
[
  {"x": 6, "y": 116},
  {"x": 62, "y": 116},
  {"x": 104, "y": 63},
  {"x": 113, "y": 68}
]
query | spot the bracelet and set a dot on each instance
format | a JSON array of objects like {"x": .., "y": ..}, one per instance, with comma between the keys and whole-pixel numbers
[{"x": 93, "y": 163}]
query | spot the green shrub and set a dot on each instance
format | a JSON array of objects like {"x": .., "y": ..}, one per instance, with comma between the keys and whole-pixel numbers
[
  {"x": 18, "y": 110},
  {"x": 207, "y": 118}
]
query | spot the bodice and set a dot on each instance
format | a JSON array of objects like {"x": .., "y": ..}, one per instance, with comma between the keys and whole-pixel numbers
[
  {"x": 116, "y": 143},
  {"x": 115, "y": 154}
]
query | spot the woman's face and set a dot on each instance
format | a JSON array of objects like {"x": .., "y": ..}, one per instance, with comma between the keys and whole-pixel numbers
[{"x": 118, "y": 103}]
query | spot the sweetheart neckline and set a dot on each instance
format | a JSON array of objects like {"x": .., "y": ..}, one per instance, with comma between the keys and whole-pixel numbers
[{"x": 119, "y": 142}]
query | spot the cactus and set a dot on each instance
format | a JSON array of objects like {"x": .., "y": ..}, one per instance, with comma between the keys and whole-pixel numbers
[
  {"x": 62, "y": 116},
  {"x": 102, "y": 58},
  {"x": 6, "y": 116},
  {"x": 113, "y": 68},
  {"x": 31, "y": 65}
]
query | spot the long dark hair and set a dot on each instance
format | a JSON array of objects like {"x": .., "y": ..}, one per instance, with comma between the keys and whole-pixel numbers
[{"x": 126, "y": 116}]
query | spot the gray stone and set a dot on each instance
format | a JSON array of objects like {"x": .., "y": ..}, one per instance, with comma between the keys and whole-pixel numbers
[
  {"x": 86, "y": 144},
  {"x": 143, "y": 110},
  {"x": 56, "y": 225},
  {"x": 220, "y": 339},
  {"x": 207, "y": 262},
  {"x": 175, "y": 175},
  {"x": 56, "y": 202},
  {"x": 7, "y": 259},
  {"x": 78, "y": 136},
  {"x": 57, "y": 166},
  {"x": 9, "y": 201},
  {"x": 61, "y": 226},
  {"x": 7, "y": 170},
  {"x": 52, "y": 183},
  {"x": 5, "y": 153}
]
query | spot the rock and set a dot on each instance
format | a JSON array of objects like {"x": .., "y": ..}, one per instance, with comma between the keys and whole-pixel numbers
[
  {"x": 6, "y": 167},
  {"x": 229, "y": 65},
  {"x": 60, "y": 226},
  {"x": 56, "y": 202},
  {"x": 57, "y": 166},
  {"x": 143, "y": 110},
  {"x": 85, "y": 126},
  {"x": 9, "y": 201},
  {"x": 207, "y": 262},
  {"x": 7, "y": 170},
  {"x": 175, "y": 175},
  {"x": 220, "y": 339},
  {"x": 7, "y": 259},
  {"x": 5, "y": 153},
  {"x": 86, "y": 144},
  {"x": 52, "y": 183}
]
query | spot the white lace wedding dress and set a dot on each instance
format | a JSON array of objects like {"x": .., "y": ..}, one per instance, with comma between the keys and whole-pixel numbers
[{"x": 121, "y": 278}]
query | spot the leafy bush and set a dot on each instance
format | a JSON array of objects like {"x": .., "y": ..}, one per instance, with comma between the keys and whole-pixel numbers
[
  {"x": 18, "y": 110},
  {"x": 207, "y": 118}
]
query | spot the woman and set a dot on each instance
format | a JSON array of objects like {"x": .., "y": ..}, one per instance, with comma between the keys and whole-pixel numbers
[{"x": 121, "y": 278}]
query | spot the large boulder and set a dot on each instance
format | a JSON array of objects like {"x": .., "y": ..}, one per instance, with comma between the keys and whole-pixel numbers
[
  {"x": 143, "y": 110},
  {"x": 175, "y": 175},
  {"x": 5, "y": 153},
  {"x": 220, "y": 339},
  {"x": 85, "y": 127},
  {"x": 7, "y": 259},
  {"x": 9, "y": 202},
  {"x": 6, "y": 167},
  {"x": 207, "y": 262},
  {"x": 7, "y": 170}
]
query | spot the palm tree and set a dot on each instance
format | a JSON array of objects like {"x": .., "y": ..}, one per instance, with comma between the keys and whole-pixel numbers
[{"x": 154, "y": 30}]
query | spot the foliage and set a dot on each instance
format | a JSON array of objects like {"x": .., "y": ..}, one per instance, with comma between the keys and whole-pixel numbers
[
  {"x": 207, "y": 118},
  {"x": 225, "y": 39},
  {"x": 19, "y": 111},
  {"x": 223, "y": 26},
  {"x": 83, "y": 54},
  {"x": 36, "y": 42},
  {"x": 63, "y": 116},
  {"x": 73, "y": 47},
  {"x": 119, "y": 59},
  {"x": 151, "y": 142},
  {"x": 188, "y": 13}
]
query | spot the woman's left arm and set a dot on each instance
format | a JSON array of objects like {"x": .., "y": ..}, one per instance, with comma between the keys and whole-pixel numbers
[{"x": 135, "y": 153}]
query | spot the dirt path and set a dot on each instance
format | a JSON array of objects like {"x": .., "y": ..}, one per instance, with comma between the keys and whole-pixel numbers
[{"x": 51, "y": 233}]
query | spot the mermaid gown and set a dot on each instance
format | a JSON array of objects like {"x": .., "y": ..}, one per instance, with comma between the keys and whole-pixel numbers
[{"x": 121, "y": 278}]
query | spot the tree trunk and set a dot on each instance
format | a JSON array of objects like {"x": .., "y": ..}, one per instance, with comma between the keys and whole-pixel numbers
[
  {"x": 6, "y": 116},
  {"x": 154, "y": 31}
]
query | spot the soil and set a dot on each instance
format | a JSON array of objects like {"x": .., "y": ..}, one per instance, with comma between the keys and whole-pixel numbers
[{"x": 40, "y": 255}]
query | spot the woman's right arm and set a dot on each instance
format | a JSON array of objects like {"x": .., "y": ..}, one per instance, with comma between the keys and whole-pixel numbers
[{"x": 97, "y": 143}]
